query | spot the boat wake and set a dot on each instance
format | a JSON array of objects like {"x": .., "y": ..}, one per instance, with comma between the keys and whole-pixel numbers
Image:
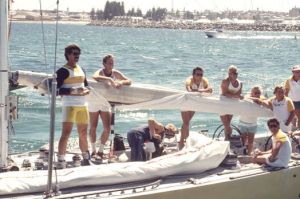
[{"x": 256, "y": 37}]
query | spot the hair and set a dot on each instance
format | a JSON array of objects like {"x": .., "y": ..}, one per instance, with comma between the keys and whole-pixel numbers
[
  {"x": 256, "y": 88},
  {"x": 232, "y": 67},
  {"x": 107, "y": 57},
  {"x": 277, "y": 87},
  {"x": 273, "y": 120},
  {"x": 69, "y": 49},
  {"x": 197, "y": 68},
  {"x": 171, "y": 127}
]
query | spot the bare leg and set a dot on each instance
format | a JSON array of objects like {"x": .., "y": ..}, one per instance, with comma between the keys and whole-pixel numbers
[
  {"x": 226, "y": 120},
  {"x": 65, "y": 134},
  {"x": 94, "y": 116},
  {"x": 261, "y": 159},
  {"x": 297, "y": 113},
  {"x": 250, "y": 142},
  {"x": 186, "y": 118},
  {"x": 82, "y": 133},
  {"x": 106, "y": 119}
]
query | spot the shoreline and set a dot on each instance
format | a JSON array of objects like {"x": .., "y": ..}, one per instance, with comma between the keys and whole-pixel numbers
[{"x": 179, "y": 25}]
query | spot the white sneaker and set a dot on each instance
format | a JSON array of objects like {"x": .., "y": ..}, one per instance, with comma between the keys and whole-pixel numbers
[{"x": 61, "y": 165}]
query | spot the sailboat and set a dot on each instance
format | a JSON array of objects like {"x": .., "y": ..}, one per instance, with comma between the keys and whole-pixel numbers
[{"x": 192, "y": 172}]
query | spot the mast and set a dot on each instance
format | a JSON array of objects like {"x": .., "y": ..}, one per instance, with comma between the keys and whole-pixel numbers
[{"x": 4, "y": 82}]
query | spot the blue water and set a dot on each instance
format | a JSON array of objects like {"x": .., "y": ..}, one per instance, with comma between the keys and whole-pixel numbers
[{"x": 155, "y": 56}]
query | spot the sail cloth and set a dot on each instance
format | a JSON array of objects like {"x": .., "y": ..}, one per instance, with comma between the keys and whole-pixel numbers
[
  {"x": 201, "y": 154},
  {"x": 208, "y": 104}
]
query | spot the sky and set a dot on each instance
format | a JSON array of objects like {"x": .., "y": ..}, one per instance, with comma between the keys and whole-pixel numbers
[{"x": 144, "y": 5}]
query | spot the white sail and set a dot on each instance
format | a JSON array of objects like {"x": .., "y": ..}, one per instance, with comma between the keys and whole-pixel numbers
[{"x": 207, "y": 104}]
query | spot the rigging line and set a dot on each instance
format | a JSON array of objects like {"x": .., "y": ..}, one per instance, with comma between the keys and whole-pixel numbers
[
  {"x": 43, "y": 33},
  {"x": 44, "y": 45},
  {"x": 10, "y": 17}
]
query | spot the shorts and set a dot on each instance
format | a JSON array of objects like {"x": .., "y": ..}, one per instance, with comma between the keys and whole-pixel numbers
[
  {"x": 247, "y": 127},
  {"x": 276, "y": 163},
  {"x": 296, "y": 104},
  {"x": 75, "y": 114},
  {"x": 92, "y": 107}
]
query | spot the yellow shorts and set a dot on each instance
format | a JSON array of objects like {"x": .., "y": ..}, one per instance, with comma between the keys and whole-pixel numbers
[{"x": 75, "y": 114}]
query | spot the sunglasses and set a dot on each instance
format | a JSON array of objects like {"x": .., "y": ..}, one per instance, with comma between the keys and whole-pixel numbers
[
  {"x": 273, "y": 126},
  {"x": 199, "y": 74},
  {"x": 257, "y": 93}
]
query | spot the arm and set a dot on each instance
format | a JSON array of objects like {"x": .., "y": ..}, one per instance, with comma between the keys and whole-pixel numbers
[
  {"x": 188, "y": 84},
  {"x": 275, "y": 151},
  {"x": 122, "y": 79},
  {"x": 286, "y": 88},
  {"x": 61, "y": 75},
  {"x": 291, "y": 110},
  {"x": 265, "y": 103},
  {"x": 207, "y": 88},
  {"x": 290, "y": 118}
]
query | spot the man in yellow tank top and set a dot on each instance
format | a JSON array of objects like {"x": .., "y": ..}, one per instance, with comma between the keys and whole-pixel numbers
[
  {"x": 72, "y": 86},
  {"x": 194, "y": 83}
]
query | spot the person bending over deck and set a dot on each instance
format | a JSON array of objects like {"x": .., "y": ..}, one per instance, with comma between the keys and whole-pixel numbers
[
  {"x": 153, "y": 132},
  {"x": 280, "y": 154},
  {"x": 282, "y": 107},
  {"x": 231, "y": 87},
  {"x": 292, "y": 88},
  {"x": 194, "y": 83},
  {"x": 116, "y": 79},
  {"x": 248, "y": 125},
  {"x": 72, "y": 86}
]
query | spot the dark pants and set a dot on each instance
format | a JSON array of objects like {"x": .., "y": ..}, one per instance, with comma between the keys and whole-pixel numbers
[{"x": 136, "y": 142}]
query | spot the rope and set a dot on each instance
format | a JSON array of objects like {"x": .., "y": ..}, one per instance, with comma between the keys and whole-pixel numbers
[{"x": 42, "y": 22}]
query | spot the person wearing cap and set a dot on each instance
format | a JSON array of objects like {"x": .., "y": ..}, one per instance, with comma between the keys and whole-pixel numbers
[
  {"x": 154, "y": 132},
  {"x": 292, "y": 89}
]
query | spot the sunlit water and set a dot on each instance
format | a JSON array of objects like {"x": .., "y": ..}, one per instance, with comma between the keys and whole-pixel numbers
[{"x": 154, "y": 56}]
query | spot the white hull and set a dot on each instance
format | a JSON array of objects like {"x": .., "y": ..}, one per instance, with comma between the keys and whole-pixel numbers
[
  {"x": 248, "y": 181},
  {"x": 213, "y": 33}
]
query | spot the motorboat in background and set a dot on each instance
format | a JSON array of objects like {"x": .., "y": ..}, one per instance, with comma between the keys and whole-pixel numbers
[{"x": 213, "y": 33}]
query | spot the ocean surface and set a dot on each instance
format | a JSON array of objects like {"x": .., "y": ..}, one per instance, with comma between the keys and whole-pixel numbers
[{"x": 154, "y": 56}]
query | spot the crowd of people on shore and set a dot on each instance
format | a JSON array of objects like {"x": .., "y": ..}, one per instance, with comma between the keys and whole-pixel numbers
[{"x": 73, "y": 87}]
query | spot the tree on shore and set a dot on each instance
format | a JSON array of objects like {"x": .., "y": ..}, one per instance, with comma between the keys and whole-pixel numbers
[
  {"x": 113, "y": 9},
  {"x": 133, "y": 13},
  {"x": 158, "y": 14},
  {"x": 93, "y": 14}
]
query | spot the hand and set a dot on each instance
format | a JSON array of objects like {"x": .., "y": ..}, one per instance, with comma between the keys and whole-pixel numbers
[{"x": 156, "y": 136}]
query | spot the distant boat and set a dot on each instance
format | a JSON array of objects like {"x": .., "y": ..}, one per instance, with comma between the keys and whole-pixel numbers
[{"x": 213, "y": 33}]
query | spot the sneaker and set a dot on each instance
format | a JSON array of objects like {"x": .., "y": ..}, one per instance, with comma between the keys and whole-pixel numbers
[
  {"x": 85, "y": 162},
  {"x": 61, "y": 165}
]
